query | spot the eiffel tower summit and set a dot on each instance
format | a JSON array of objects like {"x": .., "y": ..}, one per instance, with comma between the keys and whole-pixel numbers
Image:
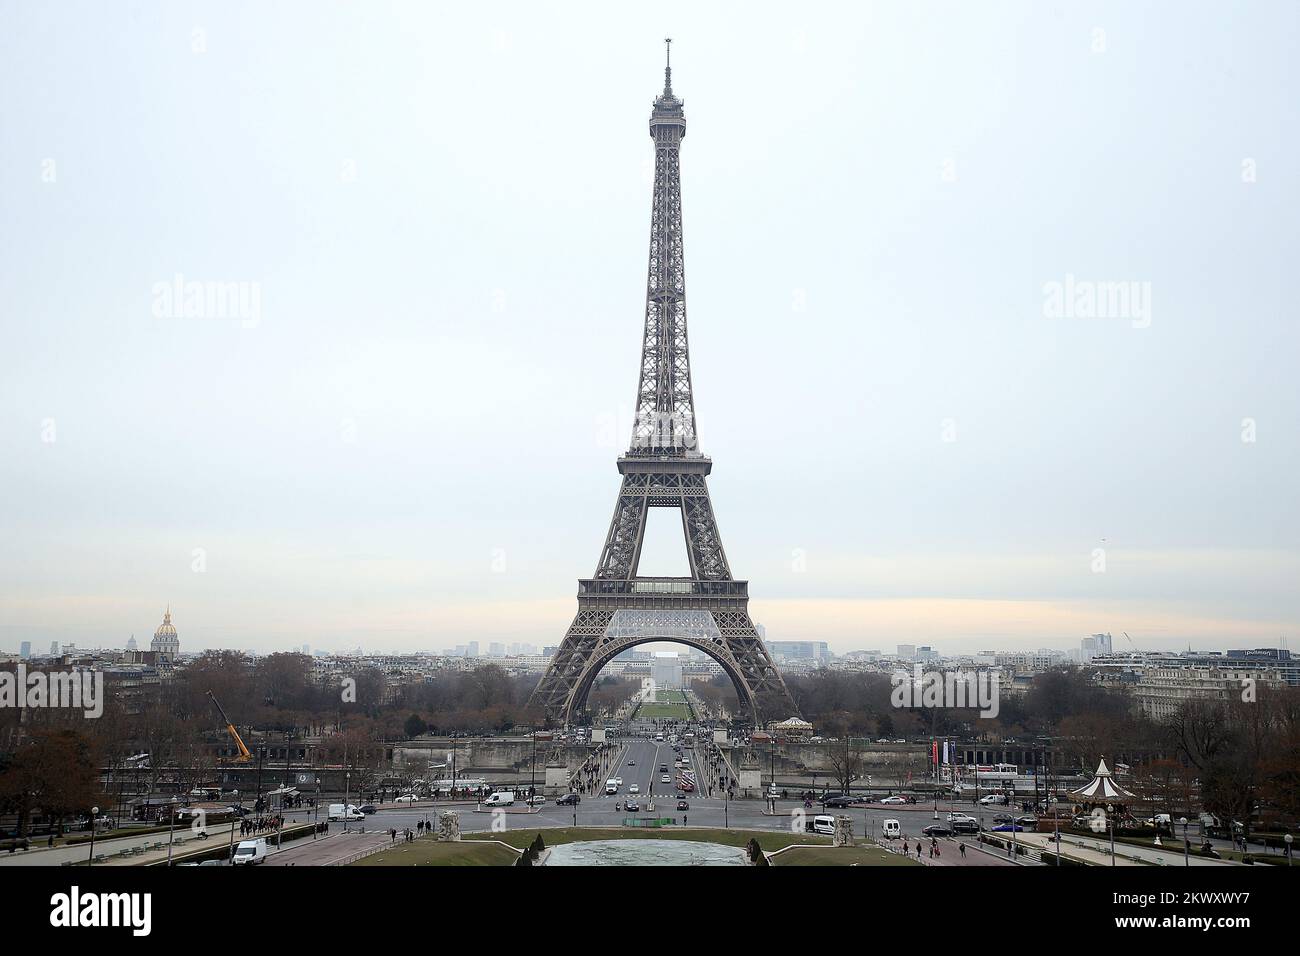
[{"x": 664, "y": 468}]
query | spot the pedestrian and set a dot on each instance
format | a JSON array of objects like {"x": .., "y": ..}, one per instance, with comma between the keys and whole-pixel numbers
[{"x": 963, "y": 850}]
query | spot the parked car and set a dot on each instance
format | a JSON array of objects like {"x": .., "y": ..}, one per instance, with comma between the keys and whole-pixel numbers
[
  {"x": 937, "y": 830},
  {"x": 568, "y": 800},
  {"x": 839, "y": 801},
  {"x": 822, "y": 823},
  {"x": 1003, "y": 818},
  {"x": 1027, "y": 821},
  {"x": 1008, "y": 828},
  {"x": 250, "y": 852},
  {"x": 406, "y": 798},
  {"x": 893, "y": 800}
]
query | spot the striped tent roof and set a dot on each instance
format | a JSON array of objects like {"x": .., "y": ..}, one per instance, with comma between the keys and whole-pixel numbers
[{"x": 1102, "y": 788}]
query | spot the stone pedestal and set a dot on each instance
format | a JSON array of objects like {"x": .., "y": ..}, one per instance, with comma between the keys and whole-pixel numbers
[
  {"x": 720, "y": 736},
  {"x": 843, "y": 832},
  {"x": 597, "y": 735},
  {"x": 750, "y": 780},
  {"x": 449, "y": 827}
]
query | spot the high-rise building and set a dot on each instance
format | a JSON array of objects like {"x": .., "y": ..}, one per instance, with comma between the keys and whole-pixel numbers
[
  {"x": 800, "y": 650},
  {"x": 25, "y": 650},
  {"x": 907, "y": 652}
]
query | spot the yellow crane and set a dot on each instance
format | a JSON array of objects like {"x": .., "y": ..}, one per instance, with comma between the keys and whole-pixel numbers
[{"x": 244, "y": 755}]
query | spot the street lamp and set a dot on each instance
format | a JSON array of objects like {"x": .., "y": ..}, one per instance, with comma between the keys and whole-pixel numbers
[
  {"x": 1187, "y": 845},
  {"x": 233, "y": 820},
  {"x": 171, "y": 827},
  {"x": 94, "y": 812},
  {"x": 1287, "y": 840},
  {"x": 347, "y": 795},
  {"x": 1110, "y": 821}
]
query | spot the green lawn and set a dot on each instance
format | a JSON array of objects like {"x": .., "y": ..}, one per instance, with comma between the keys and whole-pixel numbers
[
  {"x": 664, "y": 711},
  {"x": 868, "y": 855},
  {"x": 432, "y": 853},
  {"x": 551, "y": 837}
]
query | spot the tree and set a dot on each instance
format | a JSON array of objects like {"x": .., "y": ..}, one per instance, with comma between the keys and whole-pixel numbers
[
  {"x": 847, "y": 761},
  {"x": 415, "y": 726},
  {"x": 55, "y": 774}
]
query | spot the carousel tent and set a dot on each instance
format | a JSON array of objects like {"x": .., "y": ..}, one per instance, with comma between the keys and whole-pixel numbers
[
  {"x": 793, "y": 727},
  {"x": 1102, "y": 789}
]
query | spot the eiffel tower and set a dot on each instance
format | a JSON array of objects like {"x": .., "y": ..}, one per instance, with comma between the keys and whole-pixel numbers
[{"x": 663, "y": 468}]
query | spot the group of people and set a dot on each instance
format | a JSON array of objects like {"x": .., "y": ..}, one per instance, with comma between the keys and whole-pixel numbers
[
  {"x": 935, "y": 850},
  {"x": 260, "y": 824}
]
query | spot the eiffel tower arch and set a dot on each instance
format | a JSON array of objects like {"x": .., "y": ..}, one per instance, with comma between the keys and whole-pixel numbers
[{"x": 663, "y": 468}]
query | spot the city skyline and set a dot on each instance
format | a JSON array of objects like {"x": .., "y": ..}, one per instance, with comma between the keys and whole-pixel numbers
[{"x": 915, "y": 444}]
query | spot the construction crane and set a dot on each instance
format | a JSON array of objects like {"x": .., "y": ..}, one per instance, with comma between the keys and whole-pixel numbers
[
  {"x": 244, "y": 755},
  {"x": 1130, "y": 640}
]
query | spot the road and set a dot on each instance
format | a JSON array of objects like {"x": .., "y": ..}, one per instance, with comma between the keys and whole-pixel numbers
[{"x": 638, "y": 762}]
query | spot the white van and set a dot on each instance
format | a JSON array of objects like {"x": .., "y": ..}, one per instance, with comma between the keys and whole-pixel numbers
[
  {"x": 824, "y": 823},
  {"x": 250, "y": 852},
  {"x": 339, "y": 812},
  {"x": 890, "y": 830},
  {"x": 993, "y": 799},
  {"x": 611, "y": 787},
  {"x": 502, "y": 798}
]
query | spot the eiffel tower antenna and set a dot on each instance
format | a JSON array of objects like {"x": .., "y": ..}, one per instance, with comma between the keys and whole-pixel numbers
[{"x": 663, "y": 468}]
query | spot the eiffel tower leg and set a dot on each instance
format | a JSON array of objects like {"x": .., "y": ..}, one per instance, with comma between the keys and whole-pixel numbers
[
  {"x": 768, "y": 694},
  {"x": 555, "y": 691}
]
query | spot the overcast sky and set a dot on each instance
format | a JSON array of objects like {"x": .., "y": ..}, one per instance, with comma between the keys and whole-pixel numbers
[{"x": 440, "y": 215}]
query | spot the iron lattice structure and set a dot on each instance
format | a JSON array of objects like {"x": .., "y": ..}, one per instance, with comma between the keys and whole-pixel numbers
[{"x": 663, "y": 468}]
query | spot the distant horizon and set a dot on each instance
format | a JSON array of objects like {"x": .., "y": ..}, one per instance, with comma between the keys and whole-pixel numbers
[{"x": 40, "y": 645}]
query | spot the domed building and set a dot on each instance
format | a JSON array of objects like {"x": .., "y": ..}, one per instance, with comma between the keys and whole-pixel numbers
[{"x": 165, "y": 642}]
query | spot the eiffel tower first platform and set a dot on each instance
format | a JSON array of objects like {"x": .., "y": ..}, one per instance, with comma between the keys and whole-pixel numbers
[{"x": 663, "y": 468}]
